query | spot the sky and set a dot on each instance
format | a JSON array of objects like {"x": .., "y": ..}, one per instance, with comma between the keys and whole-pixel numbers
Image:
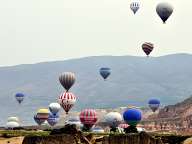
[{"x": 34, "y": 31}]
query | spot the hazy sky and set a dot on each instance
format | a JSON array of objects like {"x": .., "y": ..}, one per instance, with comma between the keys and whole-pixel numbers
[{"x": 46, "y": 30}]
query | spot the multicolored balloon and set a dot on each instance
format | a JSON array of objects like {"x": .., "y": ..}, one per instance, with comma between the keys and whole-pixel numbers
[
  {"x": 134, "y": 7},
  {"x": 42, "y": 114},
  {"x": 113, "y": 119},
  {"x": 132, "y": 116},
  {"x": 53, "y": 119},
  {"x": 67, "y": 101},
  {"x": 88, "y": 118},
  {"x": 67, "y": 79},
  {"x": 105, "y": 72},
  {"x": 54, "y": 108},
  {"x": 154, "y": 104},
  {"x": 19, "y": 97},
  {"x": 147, "y": 48},
  {"x": 164, "y": 10},
  {"x": 38, "y": 120}
]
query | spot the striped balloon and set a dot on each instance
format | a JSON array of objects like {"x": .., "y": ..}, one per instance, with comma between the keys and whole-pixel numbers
[
  {"x": 67, "y": 79},
  {"x": 147, "y": 47},
  {"x": 67, "y": 101},
  {"x": 134, "y": 7},
  {"x": 88, "y": 117},
  {"x": 43, "y": 114}
]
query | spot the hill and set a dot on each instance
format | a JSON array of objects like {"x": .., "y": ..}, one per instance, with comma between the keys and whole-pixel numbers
[{"x": 133, "y": 81}]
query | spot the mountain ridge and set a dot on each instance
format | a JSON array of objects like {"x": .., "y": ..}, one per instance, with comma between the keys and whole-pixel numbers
[{"x": 133, "y": 81}]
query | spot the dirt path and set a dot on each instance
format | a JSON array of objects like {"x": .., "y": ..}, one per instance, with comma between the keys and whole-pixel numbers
[{"x": 14, "y": 140}]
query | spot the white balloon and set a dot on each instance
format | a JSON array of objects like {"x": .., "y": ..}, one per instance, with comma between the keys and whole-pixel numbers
[
  {"x": 12, "y": 124},
  {"x": 113, "y": 119},
  {"x": 13, "y": 119},
  {"x": 54, "y": 108}
]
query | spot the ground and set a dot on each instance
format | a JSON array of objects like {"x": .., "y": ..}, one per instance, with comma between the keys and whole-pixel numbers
[{"x": 13, "y": 140}]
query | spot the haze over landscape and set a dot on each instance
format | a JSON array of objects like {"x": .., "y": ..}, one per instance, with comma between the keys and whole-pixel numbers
[{"x": 133, "y": 81}]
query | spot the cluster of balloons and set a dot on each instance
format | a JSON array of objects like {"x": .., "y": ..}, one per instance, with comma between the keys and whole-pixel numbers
[
  {"x": 131, "y": 117},
  {"x": 51, "y": 116},
  {"x": 163, "y": 9},
  {"x": 67, "y": 99}
]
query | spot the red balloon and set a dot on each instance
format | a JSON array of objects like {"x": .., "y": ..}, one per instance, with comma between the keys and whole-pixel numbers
[
  {"x": 88, "y": 117},
  {"x": 67, "y": 101}
]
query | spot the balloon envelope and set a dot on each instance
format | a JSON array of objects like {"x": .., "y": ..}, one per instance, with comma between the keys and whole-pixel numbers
[
  {"x": 134, "y": 7},
  {"x": 88, "y": 117},
  {"x": 19, "y": 97},
  {"x": 147, "y": 47},
  {"x": 12, "y": 124},
  {"x": 38, "y": 120},
  {"x": 67, "y": 101},
  {"x": 13, "y": 119},
  {"x": 113, "y": 119},
  {"x": 54, "y": 108},
  {"x": 164, "y": 10},
  {"x": 132, "y": 116},
  {"x": 42, "y": 114},
  {"x": 105, "y": 72},
  {"x": 67, "y": 79},
  {"x": 154, "y": 104},
  {"x": 53, "y": 119}
]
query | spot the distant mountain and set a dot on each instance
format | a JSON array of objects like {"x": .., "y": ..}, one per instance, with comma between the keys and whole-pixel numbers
[{"x": 133, "y": 81}]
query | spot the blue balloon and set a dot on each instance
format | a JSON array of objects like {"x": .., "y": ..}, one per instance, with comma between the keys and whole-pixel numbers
[
  {"x": 154, "y": 104},
  {"x": 132, "y": 116},
  {"x": 19, "y": 97},
  {"x": 53, "y": 119},
  {"x": 105, "y": 72}
]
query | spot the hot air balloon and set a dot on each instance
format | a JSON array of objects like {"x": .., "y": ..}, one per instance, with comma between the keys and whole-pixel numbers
[
  {"x": 42, "y": 114},
  {"x": 113, "y": 119},
  {"x": 38, "y": 120},
  {"x": 88, "y": 118},
  {"x": 12, "y": 124},
  {"x": 19, "y": 97},
  {"x": 164, "y": 10},
  {"x": 67, "y": 100},
  {"x": 132, "y": 116},
  {"x": 123, "y": 125},
  {"x": 105, "y": 72},
  {"x": 53, "y": 119},
  {"x": 154, "y": 104},
  {"x": 147, "y": 48},
  {"x": 134, "y": 7},
  {"x": 54, "y": 108},
  {"x": 67, "y": 79},
  {"x": 13, "y": 119}
]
